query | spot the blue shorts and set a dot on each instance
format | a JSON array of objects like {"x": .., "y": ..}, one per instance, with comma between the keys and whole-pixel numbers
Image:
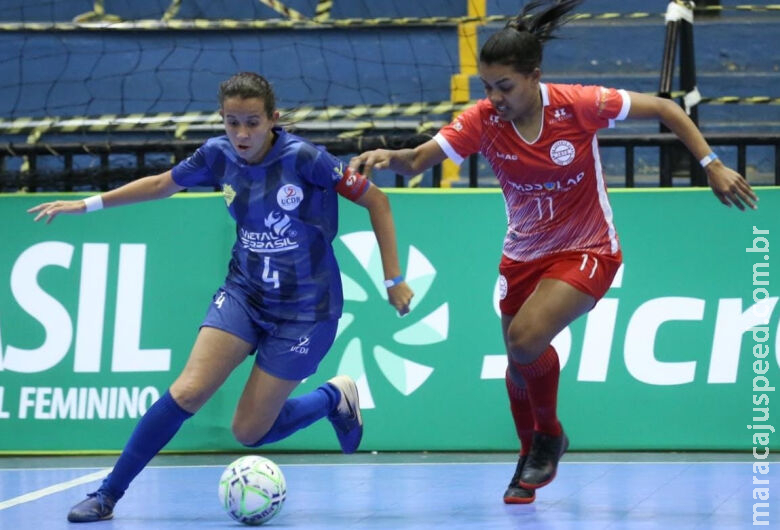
[{"x": 288, "y": 349}]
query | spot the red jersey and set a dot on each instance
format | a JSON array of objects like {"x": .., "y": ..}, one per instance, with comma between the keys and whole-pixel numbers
[{"x": 554, "y": 189}]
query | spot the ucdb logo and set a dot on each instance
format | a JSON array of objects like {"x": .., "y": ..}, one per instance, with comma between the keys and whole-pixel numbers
[{"x": 289, "y": 197}]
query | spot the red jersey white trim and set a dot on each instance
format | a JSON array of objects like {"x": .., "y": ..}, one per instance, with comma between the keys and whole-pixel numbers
[{"x": 554, "y": 190}]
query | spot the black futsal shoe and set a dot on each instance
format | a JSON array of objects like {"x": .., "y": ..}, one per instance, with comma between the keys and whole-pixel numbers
[
  {"x": 98, "y": 506},
  {"x": 515, "y": 493},
  {"x": 543, "y": 458}
]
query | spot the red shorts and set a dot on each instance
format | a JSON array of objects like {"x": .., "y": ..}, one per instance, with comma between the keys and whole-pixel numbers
[{"x": 590, "y": 273}]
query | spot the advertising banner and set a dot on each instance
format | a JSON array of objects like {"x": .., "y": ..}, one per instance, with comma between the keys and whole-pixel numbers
[{"x": 98, "y": 314}]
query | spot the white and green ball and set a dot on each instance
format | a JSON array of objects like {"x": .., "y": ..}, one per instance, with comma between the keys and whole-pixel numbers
[{"x": 252, "y": 490}]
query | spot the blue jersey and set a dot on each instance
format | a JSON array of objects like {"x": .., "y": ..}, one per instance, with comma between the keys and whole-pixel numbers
[{"x": 286, "y": 213}]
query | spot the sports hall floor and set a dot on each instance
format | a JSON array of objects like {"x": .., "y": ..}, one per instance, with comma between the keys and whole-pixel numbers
[{"x": 391, "y": 491}]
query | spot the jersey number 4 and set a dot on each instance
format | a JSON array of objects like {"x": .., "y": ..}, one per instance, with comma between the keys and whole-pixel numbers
[{"x": 270, "y": 276}]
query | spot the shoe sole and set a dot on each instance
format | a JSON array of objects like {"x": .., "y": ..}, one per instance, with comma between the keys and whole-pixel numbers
[
  {"x": 528, "y": 486},
  {"x": 75, "y": 520},
  {"x": 508, "y": 499}
]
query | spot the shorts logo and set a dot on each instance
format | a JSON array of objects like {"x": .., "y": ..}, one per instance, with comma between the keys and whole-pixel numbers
[
  {"x": 457, "y": 125},
  {"x": 220, "y": 299},
  {"x": 302, "y": 346},
  {"x": 289, "y": 197},
  {"x": 562, "y": 152},
  {"x": 502, "y": 287}
]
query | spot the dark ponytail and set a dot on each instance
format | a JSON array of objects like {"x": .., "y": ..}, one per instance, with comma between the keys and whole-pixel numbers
[{"x": 520, "y": 43}]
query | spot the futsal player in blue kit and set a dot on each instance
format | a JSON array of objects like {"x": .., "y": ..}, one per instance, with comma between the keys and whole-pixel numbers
[{"x": 282, "y": 296}]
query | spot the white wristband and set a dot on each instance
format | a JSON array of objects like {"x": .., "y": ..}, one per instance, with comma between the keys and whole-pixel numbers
[
  {"x": 93, "y": 203},
  {"x": 707, "y": 160}
]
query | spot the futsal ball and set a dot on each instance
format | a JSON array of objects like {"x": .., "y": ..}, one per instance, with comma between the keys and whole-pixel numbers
[{"x": 252, "y": 490}]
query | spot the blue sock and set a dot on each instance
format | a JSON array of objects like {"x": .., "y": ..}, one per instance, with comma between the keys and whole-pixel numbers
[
  {"x": 301, "y": 412},
  {"x": 154, "y": 430}
]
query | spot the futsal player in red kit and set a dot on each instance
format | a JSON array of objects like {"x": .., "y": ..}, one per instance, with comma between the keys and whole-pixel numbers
[{"x": 561, "y": 249}]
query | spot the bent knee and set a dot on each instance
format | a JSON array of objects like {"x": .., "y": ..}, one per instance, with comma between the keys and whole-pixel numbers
[
  {"x": 188, "y": 396},
  {"x": 248, "y": 434},
  {"x": 525, "y": 345}
]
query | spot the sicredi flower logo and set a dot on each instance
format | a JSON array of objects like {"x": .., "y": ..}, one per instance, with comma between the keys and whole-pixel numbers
[{"x": 391, "y": 350}]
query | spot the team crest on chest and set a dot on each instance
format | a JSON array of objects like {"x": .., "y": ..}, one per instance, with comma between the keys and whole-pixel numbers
[
  {"x": 289, "y": 197},
  {"x": 562, "y": 152},
  {"x": 229, "y": 194}
]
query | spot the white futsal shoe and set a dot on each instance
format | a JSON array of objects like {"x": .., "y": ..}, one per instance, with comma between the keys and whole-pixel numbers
[{"x": 346, "y": 419}]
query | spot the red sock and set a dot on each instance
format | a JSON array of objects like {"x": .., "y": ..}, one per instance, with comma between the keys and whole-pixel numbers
[
  {"x": 541, "y": 377},
  {"x": 521, "y": 413}
]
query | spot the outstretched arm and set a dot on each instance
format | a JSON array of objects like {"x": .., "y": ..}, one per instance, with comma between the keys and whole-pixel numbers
[
  {"x": 144, "y": 189},
  {"x": 727, "y": 185},
  {"x": 378, "y": 205},
  {"x": 406, "y": 162}
]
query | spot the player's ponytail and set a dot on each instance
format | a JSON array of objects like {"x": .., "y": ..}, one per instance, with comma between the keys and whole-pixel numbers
[{"x": 520, "y": 43}]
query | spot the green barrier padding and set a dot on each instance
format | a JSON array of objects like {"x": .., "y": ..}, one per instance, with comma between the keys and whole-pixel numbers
[{"x": 98, "y": 313}]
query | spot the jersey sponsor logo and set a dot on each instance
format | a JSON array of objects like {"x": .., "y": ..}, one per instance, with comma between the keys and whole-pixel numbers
[
  {"x": 278, "y": 222},
  {"x": 493, "y": 121},
  {"x": 278, "y": 238},
  {"x": 506, "y": 156},
  {"x": 229, "y": 194},
  {"x": 603, "y": 98},
  {"x": 562, "y": 152},
  {"x": 553, "y": 185},
  {"x": 561, "y": 114},
  {"x": 289, "y": 196}
]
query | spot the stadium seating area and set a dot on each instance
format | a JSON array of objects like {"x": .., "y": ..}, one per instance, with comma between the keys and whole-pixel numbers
[
  {"x": 734, "y": 57},
  {"x": 84, "y": 72}
]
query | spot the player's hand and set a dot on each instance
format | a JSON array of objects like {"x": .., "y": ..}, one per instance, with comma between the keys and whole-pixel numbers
[
  {"x": 53, "y": 209},
  {"x": 400, "y": 296},
  {"x": 364, "y": 163},
  {"x": 729, "y": 186}
]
